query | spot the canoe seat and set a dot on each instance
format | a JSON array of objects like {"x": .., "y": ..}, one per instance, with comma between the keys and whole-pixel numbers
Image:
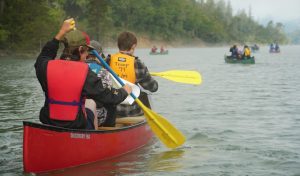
[
  {"x": 124, "y": 121},
  {"x": 111, "y": 128},
  {"x": 108, "y": 128},
  {"x": 130, "y": 120}
]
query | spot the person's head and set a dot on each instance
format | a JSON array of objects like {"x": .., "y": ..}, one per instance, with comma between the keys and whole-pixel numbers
[
  {"x": 77, "y": 45},
  {"x": 97, "y": 46},
  {"x": 127, "y": 41}
]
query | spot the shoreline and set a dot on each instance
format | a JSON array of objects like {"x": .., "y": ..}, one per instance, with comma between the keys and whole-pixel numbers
[{"x": 143, "y": 43}]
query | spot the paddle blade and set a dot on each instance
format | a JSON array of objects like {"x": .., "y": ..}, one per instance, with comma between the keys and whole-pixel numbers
[
  {"x": 163, "y": 129},
  {"x": 182, "y": 76},
  {"x": 135, "y": 89}
]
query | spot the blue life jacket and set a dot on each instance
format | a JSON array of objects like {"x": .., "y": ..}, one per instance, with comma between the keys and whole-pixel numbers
[{"x": 94, "y": 66}]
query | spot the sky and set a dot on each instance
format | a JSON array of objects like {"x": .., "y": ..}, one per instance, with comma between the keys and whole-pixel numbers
[{"x": 276, "y": 10}]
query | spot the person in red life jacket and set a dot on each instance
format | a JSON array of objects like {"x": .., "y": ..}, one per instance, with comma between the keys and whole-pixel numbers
[
  {"x": 153, "y": 49},
  {"x": 132, "y": 69},
  {"x": 71, "y": 88},
  {"x": 162, "y": 49}
]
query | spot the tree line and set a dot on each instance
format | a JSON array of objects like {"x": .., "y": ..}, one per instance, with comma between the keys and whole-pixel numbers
[{"x": 26, "y": 25}]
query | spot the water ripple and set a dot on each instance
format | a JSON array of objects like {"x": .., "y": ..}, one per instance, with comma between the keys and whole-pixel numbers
[{"x": 242, "y": 120}]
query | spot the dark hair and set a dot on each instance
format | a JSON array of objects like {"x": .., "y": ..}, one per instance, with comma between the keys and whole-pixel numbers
[
  {"x": 126, "y": 40},
  {"x": 73, "y": 53}
]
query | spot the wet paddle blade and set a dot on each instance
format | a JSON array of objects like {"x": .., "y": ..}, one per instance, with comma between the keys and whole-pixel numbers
[
  {"x": 163, "y": 129},
  {"x": 182, "y": 76}
]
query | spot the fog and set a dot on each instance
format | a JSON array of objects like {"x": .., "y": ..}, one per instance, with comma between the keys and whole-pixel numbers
[{"x": 276, "y": 10}]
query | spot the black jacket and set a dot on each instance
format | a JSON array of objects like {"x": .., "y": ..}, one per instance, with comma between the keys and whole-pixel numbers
[{"x": 92, "y": 89}]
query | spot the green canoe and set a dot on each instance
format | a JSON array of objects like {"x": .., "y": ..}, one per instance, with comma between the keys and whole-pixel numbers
[{"x": 234, "y": 60}]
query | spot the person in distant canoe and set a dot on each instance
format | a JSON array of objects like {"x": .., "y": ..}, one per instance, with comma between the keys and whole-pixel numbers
[
  {"x": 234, "y": 51},
  {"x": 272, "y": 47},
  {"x": 247, "y": 52},
  {"x": 70, "y": 87},
  {"x": 162, "y": 49},
  {"x": 132, "y": 69},
  {"x": 154, "y": 49},
  {"x": 277, "y": 47},
  {"x": 240, "y": 52}
]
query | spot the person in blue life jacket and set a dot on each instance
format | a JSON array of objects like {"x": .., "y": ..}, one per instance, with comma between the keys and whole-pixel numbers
[
  {"x": 272, "y": 47},
  {"x": 277, "y": 47},
  {"x": 234, "y": 51},
  {"x": 132, "y": 69},
  {"x": 106, "y": 113},
  {"x": 71, "y": 89},
  {"x": 93, "y": 61}
]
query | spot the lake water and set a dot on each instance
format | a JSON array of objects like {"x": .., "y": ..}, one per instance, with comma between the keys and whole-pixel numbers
[{"x": 242, "y": 120}]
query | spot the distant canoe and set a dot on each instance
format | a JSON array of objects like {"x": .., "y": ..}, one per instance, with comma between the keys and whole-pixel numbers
[
  {"x": 245, "y": 60},
  {"x": 159, "y": 53},
  {"x": 274, "y": 51}
]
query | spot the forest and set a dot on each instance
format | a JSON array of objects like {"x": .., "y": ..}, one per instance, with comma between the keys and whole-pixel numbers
[{"x": 27, "y": 25}]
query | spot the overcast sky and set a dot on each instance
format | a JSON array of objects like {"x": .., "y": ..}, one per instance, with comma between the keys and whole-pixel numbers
[{"x": 277, "y": 10}]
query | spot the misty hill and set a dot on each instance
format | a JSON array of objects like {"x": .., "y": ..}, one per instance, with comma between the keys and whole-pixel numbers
[{"x": 213, "y": 22}]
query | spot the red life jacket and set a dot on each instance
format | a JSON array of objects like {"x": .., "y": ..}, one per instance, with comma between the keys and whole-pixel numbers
[{"x": 65, "y": 81}]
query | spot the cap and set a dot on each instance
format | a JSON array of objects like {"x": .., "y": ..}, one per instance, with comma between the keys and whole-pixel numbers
[
  {"x": 96, "y": 45},
  {"x": 77, "y": 38}
]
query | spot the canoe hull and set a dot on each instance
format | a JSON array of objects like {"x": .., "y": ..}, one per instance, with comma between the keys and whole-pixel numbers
[
  {"x": 47, "y": 148},
  {"x": 159, "y": 53},
  {"x": 274, "y": 51},
  {"x": 249, "y": 60}
]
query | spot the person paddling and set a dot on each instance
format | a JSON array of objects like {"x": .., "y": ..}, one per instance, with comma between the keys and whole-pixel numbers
[
  {"x": 247, "y": 52},
  {"x": 70, "y": 87},
  {"x": 105, "y": 113},
  {"x": 132, "y": 69}
]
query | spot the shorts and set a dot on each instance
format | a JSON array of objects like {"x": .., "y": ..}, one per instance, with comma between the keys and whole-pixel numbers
[
  {"x": 90, "y": 119},
  {"x": 101, "y": 115}
]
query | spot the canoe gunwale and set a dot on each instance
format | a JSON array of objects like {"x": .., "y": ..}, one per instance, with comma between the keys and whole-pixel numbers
[
  {"x": 61, "y": 129},
  {"x": 230, "y": 60},
  {"x": 159, "y": 53}
]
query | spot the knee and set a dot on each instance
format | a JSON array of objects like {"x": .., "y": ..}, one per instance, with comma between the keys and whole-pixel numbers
[{"x": 91, "y": 104}]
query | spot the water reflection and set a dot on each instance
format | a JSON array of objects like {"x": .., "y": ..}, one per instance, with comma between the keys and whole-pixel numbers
[
  {"x": 145, "y": 160},
  {"x": 166, "y": 161}
]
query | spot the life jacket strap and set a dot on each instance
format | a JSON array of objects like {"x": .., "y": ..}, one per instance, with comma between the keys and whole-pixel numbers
[{"x": 73, "y": 103}]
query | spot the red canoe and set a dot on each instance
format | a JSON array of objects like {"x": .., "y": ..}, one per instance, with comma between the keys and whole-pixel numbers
[{"x": 47, "y": 148}]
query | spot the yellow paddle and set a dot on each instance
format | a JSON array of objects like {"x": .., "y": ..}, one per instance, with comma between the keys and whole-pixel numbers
[
  {"x": 182, "y": 76},
  {"x": 163, "y": 129}
]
